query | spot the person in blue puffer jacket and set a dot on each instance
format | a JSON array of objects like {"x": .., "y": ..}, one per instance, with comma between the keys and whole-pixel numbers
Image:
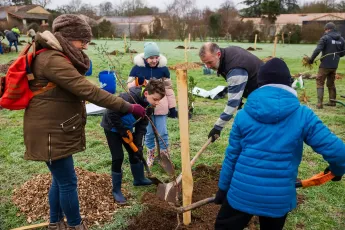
[
  {"x": 117, "y": 125},
  {"x": 265, "y": 148}
]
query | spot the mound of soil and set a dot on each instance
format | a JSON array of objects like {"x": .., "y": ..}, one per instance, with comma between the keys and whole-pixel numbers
[
  {"x": 116, "y": 52},
  {"x": 132, "y": 51},
  {"x": 182, "y": 47},
  {"x": 186, "y": 65},
  {"x": 92, "y": 43},
  {"x": 5, "y": 47},
  {"x": 252, "y": 49},
  {"x": 23, "y": 41},
  {"x": 4, "y": 67},
  {"x": 179, "y": 47},
  {"x": 94, "y": 190},
  {"x": 160, "y": 215}
]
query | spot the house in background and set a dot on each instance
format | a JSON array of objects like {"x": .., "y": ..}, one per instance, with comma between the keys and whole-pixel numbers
[
  {"x": 22, "y": 16},
  {"x": 301, "y": 20},
  {"x": 131, "y": 25}
]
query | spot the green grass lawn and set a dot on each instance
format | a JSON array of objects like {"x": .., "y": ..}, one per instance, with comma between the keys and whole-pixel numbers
[{"x": 324, "y": 206}]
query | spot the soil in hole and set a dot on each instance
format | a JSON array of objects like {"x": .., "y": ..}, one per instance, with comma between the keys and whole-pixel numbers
[{"x": 160, "y": 215}]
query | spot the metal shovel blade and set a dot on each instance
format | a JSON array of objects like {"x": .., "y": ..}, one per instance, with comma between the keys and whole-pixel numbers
[
  {"x": 168, "y": 191},
  {"x": 166, "y": 164}
]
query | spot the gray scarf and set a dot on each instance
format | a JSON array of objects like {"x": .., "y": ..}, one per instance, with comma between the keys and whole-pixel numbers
[{"x": 78, "y": 58}]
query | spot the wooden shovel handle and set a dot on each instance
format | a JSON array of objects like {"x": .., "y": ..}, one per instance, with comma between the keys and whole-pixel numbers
[
  {"x": 34, "y": 226},
  {"x": 209, "y": 141},
  {"x": 201, "y": 151},
  {"x": 195, "y": 205}
]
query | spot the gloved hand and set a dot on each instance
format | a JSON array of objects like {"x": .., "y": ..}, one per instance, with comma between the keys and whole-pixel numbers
[
  {"x": 220, "y": 196},
  {"x": 137, "y": 110},
  {"x": 336, "y": 178},
  {"x": 214, "y": 133},
  {"x": 172, "y": 113},
  {"x": 310, "y": 61}
]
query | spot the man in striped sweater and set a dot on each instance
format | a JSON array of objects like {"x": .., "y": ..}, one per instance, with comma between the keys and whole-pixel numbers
[{"x": 239, "y": 68}]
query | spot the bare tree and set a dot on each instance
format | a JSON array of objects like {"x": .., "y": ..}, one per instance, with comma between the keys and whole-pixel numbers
[
  {"x": 88, "y": 10},
  {"x": 194, "y": 21},
  {"x": 178, "y": 11},
  {"x": 77, "y": 6},
  {"x": 106, "y": 9},
  {"x": 229, "y": 15},
  {"x": 42, "y": 3}
]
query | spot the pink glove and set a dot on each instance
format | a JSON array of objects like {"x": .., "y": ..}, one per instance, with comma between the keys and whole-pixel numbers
[{"x": 137, "y": 110}]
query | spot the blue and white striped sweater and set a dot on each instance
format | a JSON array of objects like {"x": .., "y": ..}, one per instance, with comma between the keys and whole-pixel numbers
[{"x": 237, "y": 81}]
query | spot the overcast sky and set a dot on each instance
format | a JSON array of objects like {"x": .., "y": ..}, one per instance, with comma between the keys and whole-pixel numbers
[{"x": 161, "y": 4}]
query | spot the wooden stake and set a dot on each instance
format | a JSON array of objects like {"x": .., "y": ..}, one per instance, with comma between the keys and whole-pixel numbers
[
  {"x": 275, "y": 46},
  {"x": 125, "y": 42},
  {"x": 283, "y": 38},
  {"x": 34, "y": 226},
  {"x": 185, "y": 50},
  {"x": 188, "y": 41},
  {"x": 256, "y": 37},
  {"x": 187, "y": 179}
]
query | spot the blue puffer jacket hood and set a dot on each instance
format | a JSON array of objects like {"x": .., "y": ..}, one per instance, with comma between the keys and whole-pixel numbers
[{"x": 272, "y": 107}]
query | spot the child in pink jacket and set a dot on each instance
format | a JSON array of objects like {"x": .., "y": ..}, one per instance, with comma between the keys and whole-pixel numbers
[{"x": 152, "y": 65}]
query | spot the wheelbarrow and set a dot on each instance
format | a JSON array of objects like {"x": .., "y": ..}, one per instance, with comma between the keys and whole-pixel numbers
[{"x": 315, "y": 180}]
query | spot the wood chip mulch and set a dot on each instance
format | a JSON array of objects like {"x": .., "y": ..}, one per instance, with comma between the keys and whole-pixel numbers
[{"x": 95, "y": 198}]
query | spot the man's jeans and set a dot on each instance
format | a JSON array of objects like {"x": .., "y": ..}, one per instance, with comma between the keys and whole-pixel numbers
[
  {"x": 63, "y": 195},
  {"x": 15, "y": 43}
]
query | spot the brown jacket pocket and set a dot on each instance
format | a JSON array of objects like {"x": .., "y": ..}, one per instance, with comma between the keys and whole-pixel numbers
[{"x": 72, "y": 124}]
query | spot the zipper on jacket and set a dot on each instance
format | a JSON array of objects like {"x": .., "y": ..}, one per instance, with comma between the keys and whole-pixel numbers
[
  {"x": 69, "y": 120},
  {"x": 49, "y": 149}
]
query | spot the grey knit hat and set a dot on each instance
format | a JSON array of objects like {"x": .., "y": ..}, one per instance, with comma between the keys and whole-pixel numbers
[
  {"x": 150, "y": 49},
  {"x": 330, "y": 26},
  {"x": 72, "y": 27}
]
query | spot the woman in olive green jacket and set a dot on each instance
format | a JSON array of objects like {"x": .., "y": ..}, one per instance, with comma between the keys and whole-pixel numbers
[{"x": 54, "y": 121}]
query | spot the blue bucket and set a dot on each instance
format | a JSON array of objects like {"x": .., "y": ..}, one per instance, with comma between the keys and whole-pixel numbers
[
  {"x": 206, "y": 70},
  {"x": 89, "y": 72},
  {"x": 107, "y": 80}
]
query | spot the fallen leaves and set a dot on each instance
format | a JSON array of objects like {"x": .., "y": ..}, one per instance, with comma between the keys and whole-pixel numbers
[{"x": 303, "y": 97}]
